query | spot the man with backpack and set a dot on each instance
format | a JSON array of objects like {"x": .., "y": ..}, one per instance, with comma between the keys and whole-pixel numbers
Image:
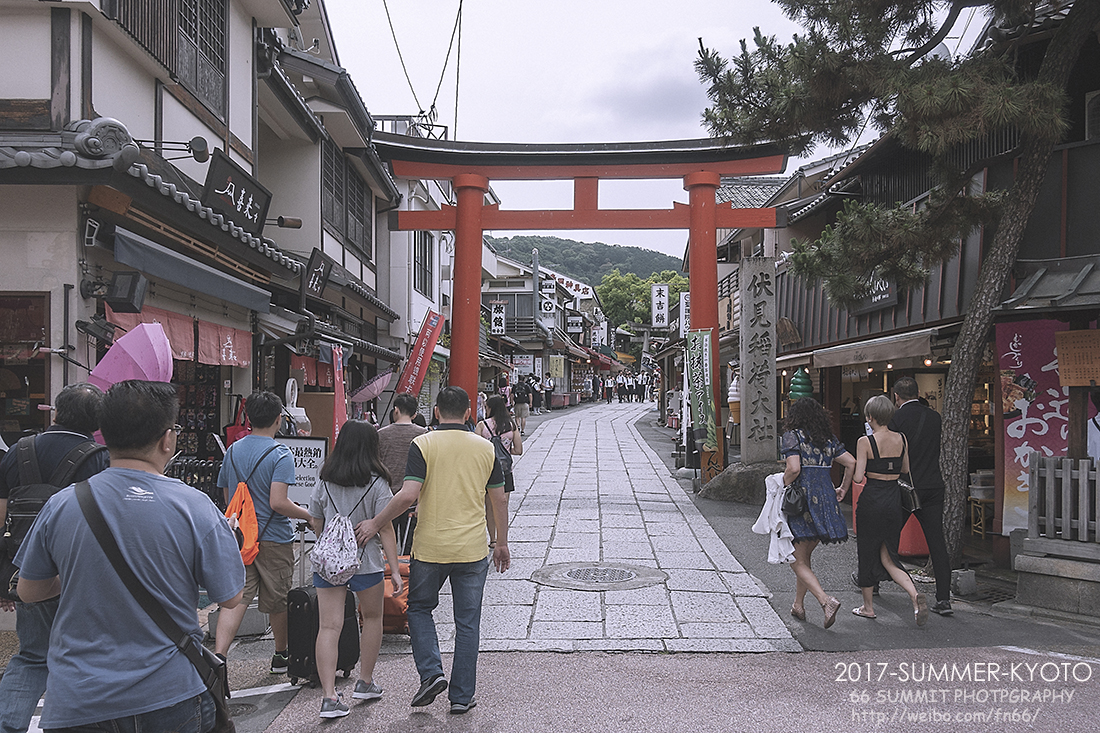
[
  {"x": 521, "y": 393},
  {"x": 266, "y": 467},
  {"x": 65, "y": 453}
]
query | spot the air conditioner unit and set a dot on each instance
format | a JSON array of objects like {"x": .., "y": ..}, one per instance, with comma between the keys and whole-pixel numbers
[{"x": 1092, "y": 115}]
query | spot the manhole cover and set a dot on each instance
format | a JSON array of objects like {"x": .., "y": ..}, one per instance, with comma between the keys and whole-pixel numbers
[
  {"x": 601, "y": 575},
  {"x": 598, "y": 576},
  {"x": 241, "y": 708}
]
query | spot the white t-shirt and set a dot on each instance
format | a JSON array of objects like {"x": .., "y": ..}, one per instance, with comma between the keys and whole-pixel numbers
[{"x": 1094, "y": 438}]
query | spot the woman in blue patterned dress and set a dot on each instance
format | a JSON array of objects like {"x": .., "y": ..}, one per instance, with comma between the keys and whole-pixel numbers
[{"x": 811, "y": 449}]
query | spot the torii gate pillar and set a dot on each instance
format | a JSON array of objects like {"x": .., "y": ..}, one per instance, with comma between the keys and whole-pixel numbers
[
  {"x": 703, "y": 265},
  {"x": 470, "y": 190}
]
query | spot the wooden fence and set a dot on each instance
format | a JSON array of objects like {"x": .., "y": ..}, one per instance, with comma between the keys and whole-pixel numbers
[{"x": 1063, "y": 512}]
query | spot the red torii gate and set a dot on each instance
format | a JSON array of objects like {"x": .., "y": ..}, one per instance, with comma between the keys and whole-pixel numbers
[{"x": 471, "y": 166}]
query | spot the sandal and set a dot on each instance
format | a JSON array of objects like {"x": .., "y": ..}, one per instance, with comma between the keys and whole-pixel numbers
[
  {"x": 859, "y": 612},
  {"x": 798, "y": 613},
  {"x": 921, "y": 611},
  {"x": 830, "y": 607}
]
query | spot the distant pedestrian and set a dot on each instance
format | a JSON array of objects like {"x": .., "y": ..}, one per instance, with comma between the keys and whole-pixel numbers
[
  {"x": 881, "y": 458},
  {"x": 77, "y": 419},
  {"x": 620, "y": 386},
  {"x": 639, "y": 387},
  {"x": 448, "y": 473},
  {"x": 548, "y": 392},
  {"x": 536, "y": 396},
  {"x": 112, "y": 668},
  {"x": 394, "y": 439},
  {"x": 521, "y": 396},
  {"x": 498, "y": 423},
  {"x": 355, "y": 483},
  {"x": 811, "y": 449},
  {"x": 921, "y": 426}
]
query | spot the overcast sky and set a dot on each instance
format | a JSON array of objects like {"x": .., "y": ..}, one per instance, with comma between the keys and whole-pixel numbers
[{"x": 545, "y": 72}]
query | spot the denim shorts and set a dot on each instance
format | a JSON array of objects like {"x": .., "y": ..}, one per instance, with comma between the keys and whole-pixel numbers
[{"x": 356, "y": 584}]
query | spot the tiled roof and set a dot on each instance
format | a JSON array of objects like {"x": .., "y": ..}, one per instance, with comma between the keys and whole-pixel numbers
[{"x": 748, "y": 192}]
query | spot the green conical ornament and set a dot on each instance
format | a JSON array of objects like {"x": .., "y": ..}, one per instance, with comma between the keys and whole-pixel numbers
[{"x": 801, "y": 385}]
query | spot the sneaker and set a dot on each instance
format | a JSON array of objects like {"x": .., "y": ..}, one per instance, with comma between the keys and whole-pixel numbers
[
  {"x": 428, "y": 691},
  {"x": 280, "y": 661},
  {"x": 333, "y": 708},
  {"x": 943, "y": 608},
  {"x": 367, "y": 691},
  {"x": 458, "y": 708}
]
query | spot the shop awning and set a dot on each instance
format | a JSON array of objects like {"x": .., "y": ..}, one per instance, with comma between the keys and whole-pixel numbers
[
  {"x": 495, "y": 360},
  {"x": 625, "y": 358},
  {"x": 160, "y": 262},
  {"x": 786, "y": 361},
  {"x": 887, "y": 348}
]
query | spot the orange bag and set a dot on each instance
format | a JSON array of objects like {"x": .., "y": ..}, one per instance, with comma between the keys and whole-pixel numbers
[
  {"x": 242, "y": 520},
  {"x": 395, "y": 619}
]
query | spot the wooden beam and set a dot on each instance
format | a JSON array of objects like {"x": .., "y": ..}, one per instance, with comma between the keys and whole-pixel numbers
[
  {"x": 626, "y": 171},
  {"x": 60, "y": 67},
  {"x": 494, "y": 218}
]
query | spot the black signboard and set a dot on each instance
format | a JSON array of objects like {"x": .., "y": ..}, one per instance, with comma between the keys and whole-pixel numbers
[
  {"x": 315, "y": 278},
  {"x": 884, "y": 293},
  {"x": 235, "y": 194}
]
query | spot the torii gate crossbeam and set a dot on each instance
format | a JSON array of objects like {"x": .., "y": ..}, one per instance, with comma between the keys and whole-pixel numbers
[{"x": 471, "y": 166}]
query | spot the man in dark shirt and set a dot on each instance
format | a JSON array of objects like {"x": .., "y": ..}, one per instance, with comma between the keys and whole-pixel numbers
[
  {"x": 921, "y": 427},
  {"x": 395, "y": 438},
  {"x": 24, "y": 680}
]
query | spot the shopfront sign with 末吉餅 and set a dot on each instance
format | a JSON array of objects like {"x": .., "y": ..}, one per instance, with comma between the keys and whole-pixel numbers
[
  {"x": 758, "y": 409},
  {"x": 658, "y": 305},
  {"x": 496, "y": 318},
  {"x": 309, "y": 454},
  {"x": 1034, "y": 405},
  {"x": 685, "y": 314},
  {"x": 574, "y": 324},
  {"x": 235, "y": 194},
  {"x": 318, "y": 271}
]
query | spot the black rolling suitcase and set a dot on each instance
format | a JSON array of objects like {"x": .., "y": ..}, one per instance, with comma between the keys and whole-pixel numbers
[{"x": 302, "y": 626}]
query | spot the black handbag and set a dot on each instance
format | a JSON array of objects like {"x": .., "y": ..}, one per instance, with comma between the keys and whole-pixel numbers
[
  {"x": 211, "y": 668},
  {"x": 910, "y": 500},
  {"x": 794, "y": 499}
]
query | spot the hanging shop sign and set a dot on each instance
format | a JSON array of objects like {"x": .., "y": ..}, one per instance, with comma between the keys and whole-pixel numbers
[
  {"x": 658, "y": 305},
  {"x": 309, "y": 455},
  {"x": 496, "y": 318},
  {"x": 412, "y": 375},
  {"x": 523, "y": 363},
  {"x": 548, "y": 287},
  {"x": 884, "y": 293},
  {"x": 685, "y": 314},
  {"x": 557, "y": 366},
  {"x": 701, "y": 390},
  {"x": 574, "y": 324},
  {"x": 235, "y": 194},
  {"x": 318, "y": 271}
]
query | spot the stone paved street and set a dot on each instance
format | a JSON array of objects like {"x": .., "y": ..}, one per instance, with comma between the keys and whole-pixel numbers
[{"x": 590, "y": 492}]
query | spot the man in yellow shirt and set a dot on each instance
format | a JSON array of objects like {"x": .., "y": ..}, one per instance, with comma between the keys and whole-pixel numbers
[{"x": 447, "y": 474}]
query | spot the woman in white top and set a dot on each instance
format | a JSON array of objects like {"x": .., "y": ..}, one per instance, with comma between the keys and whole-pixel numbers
[{"x": 498, "y": 423}]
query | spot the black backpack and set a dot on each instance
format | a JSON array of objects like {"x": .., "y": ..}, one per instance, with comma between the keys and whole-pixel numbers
[
  {"x": 521, "y": 392},
  {"x": 26, "y": 500}
]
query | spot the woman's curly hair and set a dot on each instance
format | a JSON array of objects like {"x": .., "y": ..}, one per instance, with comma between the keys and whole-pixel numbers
[{"x": 811, "y": 418}]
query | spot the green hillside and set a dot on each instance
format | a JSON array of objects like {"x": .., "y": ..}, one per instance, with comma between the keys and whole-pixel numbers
[{"x": 585, "y": 261}]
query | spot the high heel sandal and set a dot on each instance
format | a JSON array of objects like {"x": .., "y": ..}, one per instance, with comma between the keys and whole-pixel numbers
[
  {"x": 798, "y": 613},
  {"x": 921, "y": 611},
  {"x": 830, "y": 607}
]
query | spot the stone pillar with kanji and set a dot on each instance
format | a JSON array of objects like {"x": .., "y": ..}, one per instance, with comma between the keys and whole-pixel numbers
[{"x": 758, "y": 402}]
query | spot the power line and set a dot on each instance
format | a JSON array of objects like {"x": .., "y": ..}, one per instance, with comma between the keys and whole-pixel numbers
[
  {"x": 400, "y": 57},
  {"x": 458, "y": 69},
  {"x": 450, "y": 46}
]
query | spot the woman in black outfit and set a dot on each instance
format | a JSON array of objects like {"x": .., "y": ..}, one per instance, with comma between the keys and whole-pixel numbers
[{"x": 880, "y": 458}]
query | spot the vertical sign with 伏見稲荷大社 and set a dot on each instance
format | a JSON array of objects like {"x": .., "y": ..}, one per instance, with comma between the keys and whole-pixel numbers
[
  {"x": 758, "y": 413},
  {"x": 658, "y": 305}
]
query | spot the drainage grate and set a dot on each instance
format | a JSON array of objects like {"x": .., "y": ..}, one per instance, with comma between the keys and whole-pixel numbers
[
  {"x": 994, "y": 593},
  {"x": 601, "y": 575}
]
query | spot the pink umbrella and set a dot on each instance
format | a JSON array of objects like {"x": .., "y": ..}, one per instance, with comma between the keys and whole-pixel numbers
[
  {"x": 373, "y": 388},
  {"x": 144, "y": 352}
]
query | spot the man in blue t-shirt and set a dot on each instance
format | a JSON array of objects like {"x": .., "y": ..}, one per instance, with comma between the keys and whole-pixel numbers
[
  {"x": 110, "y": 665},
  {"x": 268, "y": 468}
]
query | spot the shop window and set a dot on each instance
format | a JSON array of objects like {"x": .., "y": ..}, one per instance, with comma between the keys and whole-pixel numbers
[
  {"x": 423, "y": 262},
  {"x": 23, "y": 379},
  {"x": 202, "y": 51}
]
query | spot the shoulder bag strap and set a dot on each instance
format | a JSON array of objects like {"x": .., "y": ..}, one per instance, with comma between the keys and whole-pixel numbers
[
  {"x": 920, "y": 425},
  {"x": 73, "y": 460},
  {"x": 29, "y": 471},
  {"x": 183, "y": 641},
  {"x": 272, "y": 514},
  {"x": 874, "y": 446}
]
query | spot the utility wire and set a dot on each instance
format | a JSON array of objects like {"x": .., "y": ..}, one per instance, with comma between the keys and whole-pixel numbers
[
  {"x": 458, "y": 69},
  {"x": 400, "y": 57},
  {"x": 450, "y": 47}
]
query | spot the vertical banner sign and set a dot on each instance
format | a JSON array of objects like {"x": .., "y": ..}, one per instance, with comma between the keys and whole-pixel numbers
[
  {"x": 1034, "y": 404},
  {"x": 701, "y": 390},
  {"x": 496, "y": 317},
  {"x": 557, "y": 367},
  {"x": 685, "y": 314},
  {"x": 412, "y": 375},
  {"x": 340, "y": 407},
  {"x": 658, "y": 305},
  {"x": 758, "y": 416}
]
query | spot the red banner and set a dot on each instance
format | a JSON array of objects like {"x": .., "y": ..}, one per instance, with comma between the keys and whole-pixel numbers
[
  {"x": 340, "y": 408},
  {"x": 412, "y": 375}
]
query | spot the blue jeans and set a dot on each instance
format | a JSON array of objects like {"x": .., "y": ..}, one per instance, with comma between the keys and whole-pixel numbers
[
  {"x": 25, "y": 679},
  {"x": 467, "y": 585},
  {"x": 193, "y": 715}
]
